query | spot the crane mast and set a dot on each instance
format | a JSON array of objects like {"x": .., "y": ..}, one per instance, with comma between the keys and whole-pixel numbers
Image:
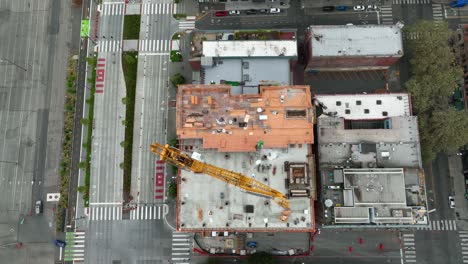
[{"x": 176, "y": 157}]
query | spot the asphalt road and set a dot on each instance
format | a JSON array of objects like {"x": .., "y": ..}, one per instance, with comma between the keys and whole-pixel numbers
[
  {"x": 151, "y": 100},
  {"x": 108, "y": 130},
  {"x": 33, "y": 60}
]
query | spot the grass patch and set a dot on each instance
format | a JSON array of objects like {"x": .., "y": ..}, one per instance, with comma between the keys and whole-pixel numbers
[
  {"x": 176, "y": 36},
  {"x": 65, "y": 163},
  {"x": 131, "y": 27},
  {"x": 130, "y": 65},
  {"x": 179, "y": 16},
  {"x": 92, "y": 61},
  {"x": 176, "y": 56}
]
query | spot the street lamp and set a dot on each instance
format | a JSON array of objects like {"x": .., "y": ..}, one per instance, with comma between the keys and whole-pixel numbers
[{"x": 7, "y": 60}]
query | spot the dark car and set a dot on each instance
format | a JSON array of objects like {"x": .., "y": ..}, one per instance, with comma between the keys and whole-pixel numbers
[
  {"x": 328, "y": 8},
  {"x": 263, "y": 11},
  {"x": 221, "y": 13},
  {"x": 251, "y": 12},
  {"x": 60, "y": 243},
  {"x": 341, "y": 8}
]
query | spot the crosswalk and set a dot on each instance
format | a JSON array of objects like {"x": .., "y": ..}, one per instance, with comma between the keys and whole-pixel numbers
[
  {"x": 437, "y": 12},
  {"x": 75, "y": 246},
  {"x": 156, "y": 8},
  {"x": 186, "y": 25},
  {"x": 440, "y": 225},
  {"x": 409, "y": 248},
  {"x": 411, "y": 2},
  {"x": 181, "y": 248},
  {"x": 154, "y": 45},
  {"x": 112, "y": 9},
  {"x": 110, "y": 45},
  {"x": 387, "y": 15},
  {"x": 147, "y": 212},
  {"x": 105, "y": 213},
  {"x": 464, "y": 244}
]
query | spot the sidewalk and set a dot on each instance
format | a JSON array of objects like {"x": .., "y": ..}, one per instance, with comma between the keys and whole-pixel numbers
[{"x": 461, "y": 204}]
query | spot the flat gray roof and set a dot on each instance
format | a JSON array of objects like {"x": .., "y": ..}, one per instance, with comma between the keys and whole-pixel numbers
[
  {"x": 254, "y": 71},
  {"x": 398, "y": 146},
  {"x": 376, "y": 186},
  {"x": 356, "y": 40},
  {"x": 210, "y": 204},
  {"x": 379, "y": 196}
]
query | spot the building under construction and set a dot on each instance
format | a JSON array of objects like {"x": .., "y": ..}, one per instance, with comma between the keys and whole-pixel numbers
[{"x": 265, "y": 136}]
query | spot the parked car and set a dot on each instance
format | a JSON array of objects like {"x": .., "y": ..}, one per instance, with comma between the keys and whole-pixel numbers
[
  {"x": 328, "y": 8},
  {"x": 451, "y": 202},
  {"x": 60, "y": 243},
  {"x": 372, "y": 8},
  {"x": 334, "y": 187},
  {"x": 221, "y": 13},
  {"x": 263, "y": 11},
  {"x": 234, "y": 12},
  {"x": 251, "y": 12},
  {"x": 359, "y": 8},
  {"x": 38, "y": 207},
  {"x": 341, "y": 8},
  {"x": 275, "y": 10}
]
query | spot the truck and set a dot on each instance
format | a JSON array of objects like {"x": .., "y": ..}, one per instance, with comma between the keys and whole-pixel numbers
[{"x": 459, "y": 3}]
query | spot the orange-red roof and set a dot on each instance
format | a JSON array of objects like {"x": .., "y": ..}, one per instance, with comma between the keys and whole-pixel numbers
[{"x": 279, "y": 115}]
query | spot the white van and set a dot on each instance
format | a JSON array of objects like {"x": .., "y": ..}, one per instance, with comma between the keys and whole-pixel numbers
[{"x": 38, "y": 206}]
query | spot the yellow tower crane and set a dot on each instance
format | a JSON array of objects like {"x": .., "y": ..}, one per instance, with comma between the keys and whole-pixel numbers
[{"x": 176, "y": 157}]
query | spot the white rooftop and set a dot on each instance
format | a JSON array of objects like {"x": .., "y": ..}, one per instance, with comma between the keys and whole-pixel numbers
[
  {"x": 356, "y": 40},
  {"x": 250, "y": 48},
  {"x": 366, "y": 106}
]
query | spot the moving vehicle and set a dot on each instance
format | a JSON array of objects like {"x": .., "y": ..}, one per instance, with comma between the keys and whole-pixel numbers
[
  {"x": 372, "y": 8},
  {"x": 359, "y": 8},
  {"x": 451, "y": 202},
  {"x": 221, "y": 13},
  {"x": 234, "y": 12},
  {"x": 275, "y": 10},
  {"x": 328, "y": 8},
  {"x": 60, "y": 243},
  {"x": 341, "y": 8},
  {"x": 38, "y": 208},
  {"x": 459, "y": 3}
]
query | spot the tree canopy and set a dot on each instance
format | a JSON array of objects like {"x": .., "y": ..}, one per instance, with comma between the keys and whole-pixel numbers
[
  {"x": 177, "y": 79},
  {"x": 435, "y": 75}
]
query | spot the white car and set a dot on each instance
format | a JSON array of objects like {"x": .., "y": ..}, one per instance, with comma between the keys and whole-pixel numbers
[
  {"x": 451, "y": 202},
  {"x": 372, "y": 8},
  {"x": 275, "y": 10},
  {"x": 234, "y": 12},
  {"x": 359, "y": 8}
]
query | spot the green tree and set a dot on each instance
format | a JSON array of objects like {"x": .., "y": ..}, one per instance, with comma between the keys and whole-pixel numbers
[
  {"x": 81, "y": 189},
  {"x": 445, "y": 131},
  {"x": 82, "y": 164},
  {"x": 177, "y": 79},
  {"x": 85, "y": 121},
  {"x": 261, "y": 257},
  {"x": 172, "y": 190},
  {"x": 435, "y": 73}
]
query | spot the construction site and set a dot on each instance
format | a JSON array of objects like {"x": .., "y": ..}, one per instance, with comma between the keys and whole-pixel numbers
[{"x": 245, "y": 160}]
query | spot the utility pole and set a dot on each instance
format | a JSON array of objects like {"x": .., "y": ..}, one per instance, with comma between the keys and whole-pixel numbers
[{"x": 7, "y": 60}]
